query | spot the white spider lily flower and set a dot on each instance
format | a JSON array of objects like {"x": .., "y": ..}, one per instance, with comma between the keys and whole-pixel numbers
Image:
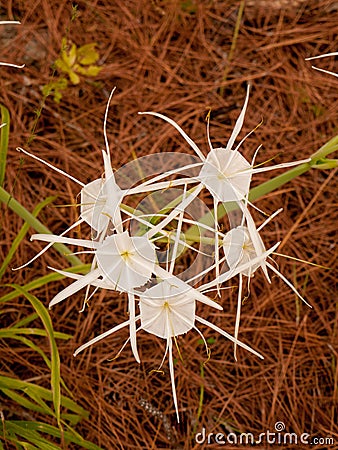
[
  {"x": 225, "y": 172},
  {"x": 10, "y": 22},
  {"x": 101, "y": 200},
  {"x": 120, "y": 262},
  {"x": 325, "y": 55},
  {"x": 123, "y": 262},
  {"x": 127, "y": 262},
  {"x": 243, "y": 246},
  {"x": 167, "y": 310}
]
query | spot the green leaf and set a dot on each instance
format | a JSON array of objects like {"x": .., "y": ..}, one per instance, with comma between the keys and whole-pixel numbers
[
  {"x": 12, "y": 332},
  {"x": 42, "y": 281},
  {"x": 22, "y": 233},
  {"x": 25, "y": 321},
  {"x": 23, "y": 430},
  {"x": 22, "y": 212},
  {"x": 38, "y": 405},
  {"x": 74, "y": 77},
  {"x": 90, "y": 71},
  {"x": 32, "y": 429},
  {"x": 33, "y": 390},
  {"x": 86, "y": 54},
  {"x": 55, "y": 358}
]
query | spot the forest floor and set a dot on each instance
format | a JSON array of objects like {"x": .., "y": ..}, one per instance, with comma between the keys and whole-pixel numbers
[{"x": 182, "y": 59}]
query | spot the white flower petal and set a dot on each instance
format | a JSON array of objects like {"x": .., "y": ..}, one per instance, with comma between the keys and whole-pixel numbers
[
  {"x": 185, "y": 288},
  {"x": 64, "y": 240},
  {"x": 179, "y": 129},
  {"x": 92, "y": 203},
  {"x": 291, "y": 286},
  {"x": 228, "y": 336},
  {"x": 226, "y": 174},
  {"x": 170, "y": 306},
  {"x": 103, "y": 335},
  {"x": 75, "y": 287},
  {"x": 128, "y": 262},
  {"x": 132, "y": 326},
  {"x": 239, "y": 122}
]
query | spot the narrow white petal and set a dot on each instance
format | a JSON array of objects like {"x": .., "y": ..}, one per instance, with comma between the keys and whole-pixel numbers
[
  {"x": 324, "y": 55},
  {"x": 238, "y": 313},
  {"x": 280, "y": 166},
  {"x": 132, "y": 326},
  {"x": 103, "y": 335},
  {"x": 325, "y": 71},
  {"x": 154, "y": 181},
  {"x": 177, "y": 236},
  {"x": 161, "y": 185},
  {"x": 10, "y": 22},
  {"x": 184, "y": 204},
  {"x": 255, "y": 238},
  {"x": 103, "y": 284},
  {"x": 12, "y": 65},
  {"x": 75, "y": 287},
  {"x": 216, "y": 248},
  {"x": 172, "y": 378},
  {"x": 242, "y": 267},
  {"x": 291, "y": 286},
  {"x": 179, "y": 129},
  {"x": 19, "y": 149},
  {"x": 53, "y": 238},
  {"x": 186, "y": 288},
  {"x": 48, "y": 246},
  {"x": 269, "y": 219},
  {"x": 105, "y": 123},
  {"x": 228, "y": 336},
  {"x": 239, "y": 122}
]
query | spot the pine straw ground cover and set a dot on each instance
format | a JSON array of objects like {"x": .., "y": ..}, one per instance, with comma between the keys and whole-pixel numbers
[{"x": 180, "y": 58}]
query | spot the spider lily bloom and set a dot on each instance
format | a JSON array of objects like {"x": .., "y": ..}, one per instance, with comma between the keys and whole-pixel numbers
[
  {"x": 167, "y": 310},
  {"x": 323, "y": 56},
  {"x": 120, "y": 262},
  {"x": 100, "y": 199},
  {"x": 225, "y": 172},
  {"x": 242, "y": 246},
  {"x": 10, "y": 22}
]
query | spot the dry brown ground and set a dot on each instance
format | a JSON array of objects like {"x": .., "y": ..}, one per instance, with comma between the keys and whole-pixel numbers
[{"x": 172, "y": 57}]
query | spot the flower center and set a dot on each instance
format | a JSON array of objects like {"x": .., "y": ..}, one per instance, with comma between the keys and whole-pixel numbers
[
  {"x": 126, "y": 254},
  {"x": 166, "y": 306}
]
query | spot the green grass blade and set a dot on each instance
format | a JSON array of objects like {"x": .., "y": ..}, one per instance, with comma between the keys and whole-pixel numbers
[
  {"x": 42, "y": 281},
  {"x": 25, "y": 321},
  {"x": 6, "y": 334},
  {"x": 22, "y": 233},
  {"x": 22, "y": 212},
  {"x": 4, "y": 135},
  {"x": 55, "y": 358},
  {"x": 38, "y": 405},
  {"x": 46, "y": 394},
  {"x": 24, "y": 430},
  {"x": 32, "y": 427},
  {"x": 13, "y": 332}
]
